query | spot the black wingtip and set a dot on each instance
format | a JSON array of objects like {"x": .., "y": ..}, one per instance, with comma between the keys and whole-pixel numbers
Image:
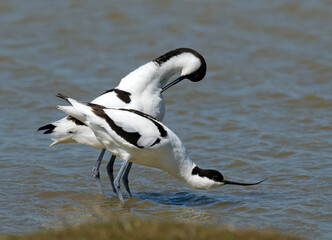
[
  {"x": 60, "y": 95},
  {"x": 49, "y": 128}
]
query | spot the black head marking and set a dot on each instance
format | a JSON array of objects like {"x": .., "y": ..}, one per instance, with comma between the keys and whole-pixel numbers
[
  {"x": 200, "y": 73},
  {"x": 196, "y": 76},
  {"x": 211, "y": 174},
  {"x": 122, "y": 95},
  {"x": 167, "y": 56}
]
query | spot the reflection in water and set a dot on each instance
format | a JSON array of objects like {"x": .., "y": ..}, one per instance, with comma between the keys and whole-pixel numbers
[{"x": 178, "y": 198}]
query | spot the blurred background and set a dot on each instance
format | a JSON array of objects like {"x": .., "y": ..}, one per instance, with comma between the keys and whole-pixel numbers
[{"x": 263, "y": 110}]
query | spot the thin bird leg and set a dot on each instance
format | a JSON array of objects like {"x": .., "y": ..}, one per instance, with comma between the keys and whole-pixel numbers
[
  {"x": 117, "y": 180},
  {"x": 96, "y": 173},
  {"x": 110, "y": 171},
  {"x": 125, "y": 179}
]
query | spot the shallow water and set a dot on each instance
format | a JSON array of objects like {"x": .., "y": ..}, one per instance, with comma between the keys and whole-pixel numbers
[{"x": 264, "y": 109}]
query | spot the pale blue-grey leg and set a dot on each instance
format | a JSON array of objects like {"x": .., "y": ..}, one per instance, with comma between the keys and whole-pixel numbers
[
  {"x": 110, "y": 166},
  {"x": 96, "y": 173},
  {"x": 117, "y": 180},
  {"x": 110, "y": 171},
  {"x": 125, "y": 179}
]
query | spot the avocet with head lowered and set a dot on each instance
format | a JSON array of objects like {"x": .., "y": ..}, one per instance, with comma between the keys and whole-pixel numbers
[
  {"x": 140, "y": 90},
  {"x": 139, "y": 138}
]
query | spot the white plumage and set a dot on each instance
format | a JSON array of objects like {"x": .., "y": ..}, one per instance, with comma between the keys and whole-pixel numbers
[
  {"x": 139, "y": 138},
  {"x": 140, "y": 90}
]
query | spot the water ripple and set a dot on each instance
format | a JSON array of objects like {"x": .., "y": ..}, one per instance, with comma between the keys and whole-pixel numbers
[{"x": 178, "y": 198}]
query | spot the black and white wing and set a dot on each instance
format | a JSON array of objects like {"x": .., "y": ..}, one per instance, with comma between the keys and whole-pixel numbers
[{"x": 130, "y": 127}]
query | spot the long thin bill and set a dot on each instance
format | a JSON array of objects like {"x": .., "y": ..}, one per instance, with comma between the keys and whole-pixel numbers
[
  {"x": 172, "y": 83},
  {"x": 243, "y": 184}
]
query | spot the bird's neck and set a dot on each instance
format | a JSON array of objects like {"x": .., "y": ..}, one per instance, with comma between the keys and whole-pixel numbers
[
  {"x": 176, "y": 160},
  {"x": 182, "y": 170},
  {"x": 187, "y": 171},
  {"x": 152, "y": 76},
  {"x": 142, "y": 79}
]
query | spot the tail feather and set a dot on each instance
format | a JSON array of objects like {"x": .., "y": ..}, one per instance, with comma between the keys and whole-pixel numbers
[
  {"x": 72, "y": 128},
  {"x": 60, "y": 95},
  {"x": 49, "y": 128},
  {"x": 78, "y": 109}
]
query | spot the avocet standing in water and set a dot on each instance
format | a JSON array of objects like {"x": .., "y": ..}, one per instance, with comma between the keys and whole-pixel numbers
[
  {"x": 140, "y": 90},
  {"x": 139, "y": 138}
]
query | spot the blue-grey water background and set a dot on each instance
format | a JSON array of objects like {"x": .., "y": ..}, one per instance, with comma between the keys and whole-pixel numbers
[{"x": 263, "y": 109}]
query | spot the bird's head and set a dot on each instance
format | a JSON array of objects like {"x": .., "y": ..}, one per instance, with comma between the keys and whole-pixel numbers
[
  {"x": 192, "y": 65},
  {"x": 209, "y": 179}
]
